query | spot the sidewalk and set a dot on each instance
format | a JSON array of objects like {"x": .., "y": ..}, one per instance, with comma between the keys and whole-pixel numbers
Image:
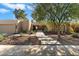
[{"x": 35, "y": 50}]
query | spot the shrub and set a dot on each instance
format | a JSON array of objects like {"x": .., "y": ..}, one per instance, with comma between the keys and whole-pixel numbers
[
  {"x": 77, "y": 29},
  {"x": 75, "y": 26},
  {"x": 24, "y": 31},
  {"x": 32, "y": 32},
  {"x": 1, "y": 37},
  {"x": 75, "y": 35},
  {"x": 70, "y": 30}
]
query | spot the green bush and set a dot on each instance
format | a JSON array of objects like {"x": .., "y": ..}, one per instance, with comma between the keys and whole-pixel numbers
[
  {"x": 70, "y": 30},
  {"x": 24, "y": 31},
  {"x": 1, "y": 37},
  {"x": 75, "y": 27},
  {"x": 33, "y": 31},
  {"x": 75, "y": 35}
]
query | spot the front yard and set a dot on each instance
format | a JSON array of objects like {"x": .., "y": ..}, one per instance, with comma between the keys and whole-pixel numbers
[{"x": 32, "y": 39}]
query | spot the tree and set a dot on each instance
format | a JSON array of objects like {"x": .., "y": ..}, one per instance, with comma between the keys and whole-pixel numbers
[
  {"x": 19, "y": 14},
  {"x": 58, "y": 13},
  {"x": 74, "y": 11}
]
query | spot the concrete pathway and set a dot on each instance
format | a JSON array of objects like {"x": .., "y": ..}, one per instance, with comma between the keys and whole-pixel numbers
[
  {"x": 36, "y": 50},
  {"x": 46, "y": 39}
]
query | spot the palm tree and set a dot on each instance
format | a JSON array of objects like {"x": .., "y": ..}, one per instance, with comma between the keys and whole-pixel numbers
[{"x": 20, "y": 16}]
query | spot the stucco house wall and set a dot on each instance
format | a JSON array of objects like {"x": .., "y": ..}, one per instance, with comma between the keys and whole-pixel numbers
[
  {"x": 12, "y": 26},
  {"x": 24, "y": 25},
  {"x": 8, "y": 26}
]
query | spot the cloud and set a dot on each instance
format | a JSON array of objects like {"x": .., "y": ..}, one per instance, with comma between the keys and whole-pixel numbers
[
  {"x": 30, "y": 7},
  {"x": 2, "y": 10},
  {"x": 13, "y": 6},
  {"x": 22, "y": 6},
  {"x": 18, "y": 5}
]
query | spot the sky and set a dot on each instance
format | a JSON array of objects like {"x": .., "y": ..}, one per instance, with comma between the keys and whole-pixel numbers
[{"x": 6, "y": 10}]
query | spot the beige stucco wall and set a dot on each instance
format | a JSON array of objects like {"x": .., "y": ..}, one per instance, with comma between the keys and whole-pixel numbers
[
  {"x": 8, "y": 21},
  {"x": 22, "y": 26},
  {"x": 13, "y": 26},
  {"x": 7, "y": 26}
]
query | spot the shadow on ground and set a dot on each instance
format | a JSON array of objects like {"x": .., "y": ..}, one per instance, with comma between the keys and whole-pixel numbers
[{"x": 39, "y": 50}]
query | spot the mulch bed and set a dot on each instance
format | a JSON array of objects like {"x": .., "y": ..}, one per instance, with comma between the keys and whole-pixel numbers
[{"x": 20, "y": 41}]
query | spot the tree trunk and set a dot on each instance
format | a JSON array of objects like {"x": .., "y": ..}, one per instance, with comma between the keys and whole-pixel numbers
[
  {"x": 59, "y": 35},
  {"x": 59, "y": 32}
]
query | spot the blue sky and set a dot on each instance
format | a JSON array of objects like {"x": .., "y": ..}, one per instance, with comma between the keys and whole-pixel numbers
[{"x": 6, "y": 10}]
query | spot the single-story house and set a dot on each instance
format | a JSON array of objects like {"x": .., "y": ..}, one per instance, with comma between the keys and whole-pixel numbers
[
  {"x": 12, "y": 26},
  {"x": 8, "y": 26}
]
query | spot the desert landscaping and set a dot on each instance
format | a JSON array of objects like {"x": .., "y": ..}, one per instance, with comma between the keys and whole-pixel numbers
[{"x": 52, "y": 31}]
